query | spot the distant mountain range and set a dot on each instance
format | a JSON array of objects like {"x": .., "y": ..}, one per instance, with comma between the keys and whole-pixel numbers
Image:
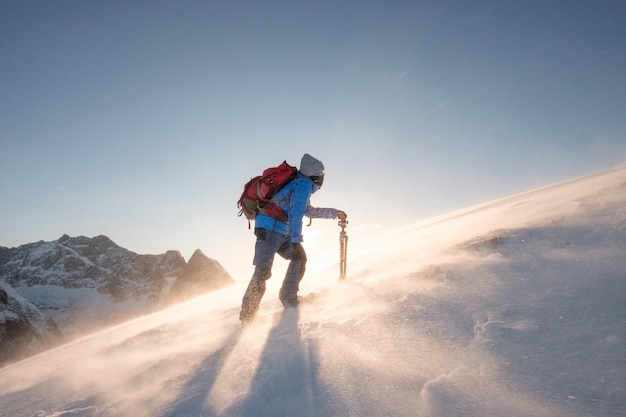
[{"x": 54, "y": 291}]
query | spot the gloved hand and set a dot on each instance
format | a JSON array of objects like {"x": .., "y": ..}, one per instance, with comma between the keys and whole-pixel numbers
[{"x": 341, "y": 215}]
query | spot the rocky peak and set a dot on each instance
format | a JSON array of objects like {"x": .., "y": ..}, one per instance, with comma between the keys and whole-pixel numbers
[
  {"x": 83, "y": 283},
  {"x": 200, "y": 275},
  {"x": 198, "y": 261}
]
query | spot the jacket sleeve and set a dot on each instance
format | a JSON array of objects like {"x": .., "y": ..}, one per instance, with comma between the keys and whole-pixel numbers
[
  {"x": 298, "y": 207},
  {"x": 321, "y": 213}
]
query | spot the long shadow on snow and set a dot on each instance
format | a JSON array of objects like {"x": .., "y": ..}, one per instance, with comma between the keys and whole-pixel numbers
[
  {"x": 194, "y": 393},
  {"x": 286, "y": 381},
  {"x": 281, "y": 385}
]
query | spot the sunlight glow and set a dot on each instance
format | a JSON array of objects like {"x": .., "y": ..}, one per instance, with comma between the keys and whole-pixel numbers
[{"x": 430, "y": 322}]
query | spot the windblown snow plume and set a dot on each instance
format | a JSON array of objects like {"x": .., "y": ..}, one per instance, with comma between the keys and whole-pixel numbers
[{"x": 511, "y": 308}]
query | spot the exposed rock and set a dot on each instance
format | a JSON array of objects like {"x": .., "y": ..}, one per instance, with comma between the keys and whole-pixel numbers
[
  {"x": 200, "y": 275},
  {"x": 24, "y": 330},
  {"x": 80, "y": 284}
]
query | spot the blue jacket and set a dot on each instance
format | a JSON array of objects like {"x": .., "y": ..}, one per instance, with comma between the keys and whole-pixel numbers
[{"x": 294, "y": 199}]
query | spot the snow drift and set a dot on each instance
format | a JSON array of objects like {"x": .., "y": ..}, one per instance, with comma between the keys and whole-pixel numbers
[{"x": 511, "y": 308}]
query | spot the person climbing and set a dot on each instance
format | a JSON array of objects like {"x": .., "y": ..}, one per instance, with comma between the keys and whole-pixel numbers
[{"x": 285, "y": 237}]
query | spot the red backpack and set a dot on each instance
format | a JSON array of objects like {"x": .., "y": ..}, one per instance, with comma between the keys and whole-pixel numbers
[{"x": 257, "y": 193}]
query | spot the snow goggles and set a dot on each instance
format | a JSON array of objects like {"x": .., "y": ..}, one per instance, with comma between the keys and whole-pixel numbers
[{"x": 318, "y": 179}]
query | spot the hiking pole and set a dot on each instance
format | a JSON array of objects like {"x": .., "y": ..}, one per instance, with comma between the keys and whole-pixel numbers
[{"x": 343, "y": 247}]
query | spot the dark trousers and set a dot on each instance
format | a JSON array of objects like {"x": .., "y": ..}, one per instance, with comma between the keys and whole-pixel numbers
[{"x": 268, "y": 244}]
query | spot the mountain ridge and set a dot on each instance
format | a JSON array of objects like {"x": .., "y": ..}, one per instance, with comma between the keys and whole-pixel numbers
[{"x": 73, "y": 285}]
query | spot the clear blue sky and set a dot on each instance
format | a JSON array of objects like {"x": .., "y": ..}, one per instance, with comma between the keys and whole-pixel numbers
[{"x": 142, "y": 120}]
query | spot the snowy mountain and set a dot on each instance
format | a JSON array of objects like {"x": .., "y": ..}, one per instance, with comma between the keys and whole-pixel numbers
[
  {"x": 79, "y": 284},
  {"x": 23, "y": 327},
  {"x": 514, "y": 307}
]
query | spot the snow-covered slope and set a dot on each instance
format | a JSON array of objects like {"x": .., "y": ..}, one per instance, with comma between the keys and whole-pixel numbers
[
  {"x": 23, "y": 328},
  {"x": 512, "y": 308}
]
